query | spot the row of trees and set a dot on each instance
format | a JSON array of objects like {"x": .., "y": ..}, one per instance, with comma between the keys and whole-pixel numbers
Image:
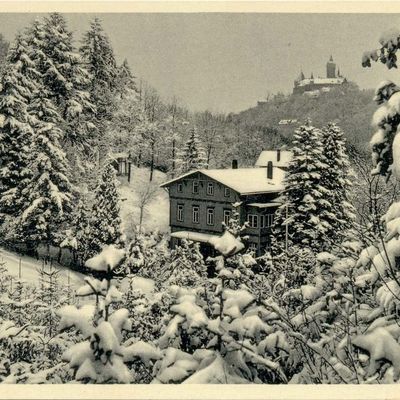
[
  {"x": 62, "y": 110},
  {"x": 52, "y": 105}
]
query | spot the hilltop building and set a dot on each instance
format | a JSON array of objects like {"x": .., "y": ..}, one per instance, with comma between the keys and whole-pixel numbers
[
  {"x": 201, "y": 200},
  {"x": 314, "y": 86}
]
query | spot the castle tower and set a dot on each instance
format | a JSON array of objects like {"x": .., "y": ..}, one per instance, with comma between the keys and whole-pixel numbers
[{"x": 330, "y": 69}]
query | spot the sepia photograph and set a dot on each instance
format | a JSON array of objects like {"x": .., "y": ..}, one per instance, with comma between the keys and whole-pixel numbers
[{"x": 199, "y": 197}]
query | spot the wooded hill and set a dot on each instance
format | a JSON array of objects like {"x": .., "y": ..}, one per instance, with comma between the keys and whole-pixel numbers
[{"x": 348, "y": 106}]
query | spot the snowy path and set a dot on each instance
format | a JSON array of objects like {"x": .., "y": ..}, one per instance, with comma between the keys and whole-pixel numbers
[
  {"x": 30, "y": 273},
  {"x": 30, "y": 269},
  {"x": 156, "y": 215}
]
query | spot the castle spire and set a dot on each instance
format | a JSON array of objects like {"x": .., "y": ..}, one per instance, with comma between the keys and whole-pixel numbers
[
  {"x": 312, "y": 76},
  {"x": 331, "y": 59}
]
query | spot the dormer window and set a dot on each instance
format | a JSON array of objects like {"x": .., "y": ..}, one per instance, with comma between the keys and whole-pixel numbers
[
  {"x": 180, "y": 188},
  {"x": 195, "y": 187},
  {"x": 227, "y": 192},
  {"x": 210, "y": 189}
]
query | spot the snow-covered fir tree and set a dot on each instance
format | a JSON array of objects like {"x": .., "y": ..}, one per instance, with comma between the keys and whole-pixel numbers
[
  {"x": 77, "y": 237},
  {"x": 335, "y": 179},
  {"x": 106, "y": 221},
  {"x": 67, "y": 79},
  {"x": 101, "y": 356},
  {"x": 48, "y": 194},
  {"x": 186, "y": 267},
  {"x": 98, "y": 56},
  {"x": 192, "y": 156},
  {"x": 16, "y": 133},
  {"x": 305, "y": 209},
  {"x": 125, "y": 81}
]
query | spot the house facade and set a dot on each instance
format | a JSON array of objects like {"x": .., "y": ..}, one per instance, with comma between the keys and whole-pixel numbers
[{"x": 200, "y": 201}]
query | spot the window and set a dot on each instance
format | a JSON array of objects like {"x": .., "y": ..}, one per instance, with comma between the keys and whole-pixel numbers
[
  {"x": 269, "y": 220},
  {"x": 227, "y": 192},
  {"x": 252, "y": 220},
  {"x": 179, "y": 213},
  {"x": 253, "y": 247},
  {"x": 227, "y": 216},
  {"x": 195, "y": 186},
  {"x": 210, "y": 216},
  {"x": 210, "y": 188},
  {"x": 195, "y": 214},
  {"x": 266, "y": 220},
  {"x": 180, "y": 188}
]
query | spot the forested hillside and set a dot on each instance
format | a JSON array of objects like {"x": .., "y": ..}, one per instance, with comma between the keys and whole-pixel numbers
[{"x": 347, "y": 106}]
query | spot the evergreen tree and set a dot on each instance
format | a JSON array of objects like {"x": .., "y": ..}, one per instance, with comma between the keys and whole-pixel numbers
[
  {"x": 67, "y": 79},
  {"x": 186, "y": 267},
  {"x": 335, "y": 179},
  {"x": 16, "y": 132},
  {"x": 98, "y": 55},
  {"x": 4, "y": 46},
  {"x": 193, "y": 155},
  {"x": 47, "y": 195},
  {"x": 305, "y": 210},
  {"x": 77, "y": 237},
  {"x": 106, "y": 221},
  {"x": 125, "y": 81}
]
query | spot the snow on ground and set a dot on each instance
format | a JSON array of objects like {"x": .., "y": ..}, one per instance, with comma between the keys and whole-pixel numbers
[
  {"x": 144, "y": 284},
  {"x": 30, "y": 269},
  {"x": 156, "y": 214},
  {"x": 30, "y": 273}
]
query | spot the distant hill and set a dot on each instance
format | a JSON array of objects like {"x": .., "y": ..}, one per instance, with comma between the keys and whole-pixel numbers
[{"x": 348, "y": 106}]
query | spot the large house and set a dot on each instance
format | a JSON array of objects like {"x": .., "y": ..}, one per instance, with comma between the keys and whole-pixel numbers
[{"x": 201, "y": 200}]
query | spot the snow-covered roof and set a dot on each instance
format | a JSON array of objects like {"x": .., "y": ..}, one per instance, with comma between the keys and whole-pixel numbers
[
  {"x": 263, "y": 205},
  {"x": 242, "y": 180},
  {"x": 272, "y": 155},
  {"x": 287, "y": 121},
  {"x": 194, "y": 236},
  {"x": 121, "y": 154}
]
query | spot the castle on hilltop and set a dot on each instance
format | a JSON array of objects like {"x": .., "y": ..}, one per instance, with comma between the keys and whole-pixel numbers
[{"x": 314, "y": 86}]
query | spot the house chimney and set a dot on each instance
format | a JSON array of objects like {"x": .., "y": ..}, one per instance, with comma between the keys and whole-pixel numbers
[
  {"x": 270, "y": 170},
  {"x": 278, "y": 155},
  {"x": 234, "y": 164}
]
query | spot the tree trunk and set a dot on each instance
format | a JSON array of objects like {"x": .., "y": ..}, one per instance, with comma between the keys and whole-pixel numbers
[
  {"x": 173, "y": 156},
  {"x": 209, "y": 149},
  {"x": 152, "y": 162},
  {"x": 141, "y": 219}
]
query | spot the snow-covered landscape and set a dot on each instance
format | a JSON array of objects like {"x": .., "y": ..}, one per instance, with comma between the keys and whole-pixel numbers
[{"x": 143, "y": 241}]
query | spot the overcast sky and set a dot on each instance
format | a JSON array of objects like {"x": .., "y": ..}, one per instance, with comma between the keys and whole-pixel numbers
[{"x": 226, "y": 62}]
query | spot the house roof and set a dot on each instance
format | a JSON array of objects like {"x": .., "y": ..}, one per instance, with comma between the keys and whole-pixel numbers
[
  {"x": 272, "y": 155},
  {"x": 194, "y": 236},
  {"x": 242, "y": 180},
  {"x": 122, "y": 154}
]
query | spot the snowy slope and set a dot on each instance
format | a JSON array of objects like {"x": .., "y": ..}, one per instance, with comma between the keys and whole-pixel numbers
[
  {"x": 30, "y": 269},
  {"x": 156, "y": 215}
]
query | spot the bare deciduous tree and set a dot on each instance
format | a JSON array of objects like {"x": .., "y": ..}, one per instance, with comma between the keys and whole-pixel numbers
[{"x": 146, "y": 194}]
